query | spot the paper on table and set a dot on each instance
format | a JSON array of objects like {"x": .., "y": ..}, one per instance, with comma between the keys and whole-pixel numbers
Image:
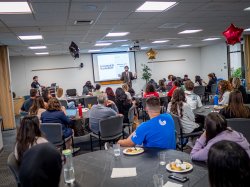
[
  {"x": 123, "y": 172},
  {"x": 172, "y": 184}
]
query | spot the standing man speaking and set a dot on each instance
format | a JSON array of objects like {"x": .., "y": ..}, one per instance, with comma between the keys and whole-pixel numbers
[{"x": 127, "y": 76}]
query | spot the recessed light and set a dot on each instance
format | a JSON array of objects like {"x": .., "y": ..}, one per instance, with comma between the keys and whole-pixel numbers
[
  {"x": 152, "y": 6},
  {"x": 185, "y": 45},
  {"x": 114, "y": 34},
  {"x": 94, "y": 50},
  {"x": 190, "y": 31},
  {"x": 14, "y": 8},
  {"x": 160, "y": 41},
  {"x": 210, "y": 39},
  {"x": 32, "y": 37},
  {"x": 248, "y": 29},
  {"x": 103, "y": 44},
  {"x": 247, "y": 9},
  {"x": 37, "y": 47},
  {"x": 44, "y": 53}
]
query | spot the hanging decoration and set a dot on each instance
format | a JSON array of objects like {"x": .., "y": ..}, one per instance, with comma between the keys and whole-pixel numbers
[
  {"x": 151, "y": 54},
  {"x": 233, "y": 34}
]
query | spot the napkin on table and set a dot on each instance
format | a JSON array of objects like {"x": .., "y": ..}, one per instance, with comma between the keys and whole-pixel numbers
[
  {"x": 123, "y": 172},
  {"x": 172, "y": 184}
]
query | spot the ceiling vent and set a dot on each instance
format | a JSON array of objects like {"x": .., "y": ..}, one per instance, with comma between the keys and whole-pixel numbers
[
  {"x": 171, "y": 25},
  {"x": 83, "y": 22}
]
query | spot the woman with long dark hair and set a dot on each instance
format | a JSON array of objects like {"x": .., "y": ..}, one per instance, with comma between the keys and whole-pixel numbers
[
  {"x": 110, "y": 94},
  {"x": 216, "y": 130},
  {"x": 123, "y": 103},
  {"x": 236, "y": 84},
  {"x": 179, "y": 107},
  {"x": 235, "y": 108},
  {"x": 28, "y": 135},
  {"x": 162, "y": 86},
  {"x": 38, "y": 107},
  {"x": 228, "y": 165},
  {"x": 150, "y": 91},
  {"x": 198, "y": 81}
]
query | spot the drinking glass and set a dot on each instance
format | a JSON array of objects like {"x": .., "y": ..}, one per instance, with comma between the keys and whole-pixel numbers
[
  {"x": 117, "y": 151},
  {"x": 158, "y": 180},
  {"x": 162, "y": 158}
]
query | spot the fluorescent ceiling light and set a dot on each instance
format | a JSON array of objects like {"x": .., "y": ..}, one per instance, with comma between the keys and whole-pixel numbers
[
  {"x": 152, "y": 6},
  {"x": 185, "y": 45},
  {"x": 32, "y": 37},
  {"x": 103, "y": 44},
  {"x": 247, "y": 29},
  {"x": 114, "y": 34},
  {"x": 210, "y": 39},
  {"x": 247, "y": 9},
  {"x": 44, "y": 53},
  {"x": 160, "y": 41},
  {"x": 37, "y": 47},
  {"x": 190, "y": 31},
  {"x": 125, "y": 45},
  {"x": 14, "y": 8},
  {"x": 144, "y": 48},
  {"x": 94, "y": 50}
]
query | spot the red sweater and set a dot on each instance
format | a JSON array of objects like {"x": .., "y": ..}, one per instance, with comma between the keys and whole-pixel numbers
[
  {"x": 150, "y": 94},
  {"x": 171, "y": 92}
]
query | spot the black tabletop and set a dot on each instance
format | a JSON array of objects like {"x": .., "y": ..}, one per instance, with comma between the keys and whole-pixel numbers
[{"x": 94, "y": 169}]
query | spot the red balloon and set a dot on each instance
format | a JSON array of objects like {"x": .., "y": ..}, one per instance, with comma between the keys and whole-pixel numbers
[{"x": 233, "y": 34}]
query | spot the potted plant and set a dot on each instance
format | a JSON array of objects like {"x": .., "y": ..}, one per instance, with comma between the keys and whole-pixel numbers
[
  {"x": 146, "y": 75},
  {"x": 237, "y": 73}
]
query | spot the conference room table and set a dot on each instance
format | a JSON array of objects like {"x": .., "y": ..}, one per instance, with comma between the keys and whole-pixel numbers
[
  {"x": 76, "y": 99},
  {"x": 206, "y": 109},
  {"x": 94, "y": 169}
]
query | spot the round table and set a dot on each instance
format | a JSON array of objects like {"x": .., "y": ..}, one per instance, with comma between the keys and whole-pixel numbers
[{"x": 94, "y": 169}]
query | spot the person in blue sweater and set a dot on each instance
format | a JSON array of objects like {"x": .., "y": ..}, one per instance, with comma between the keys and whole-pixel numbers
[{"x": 54, "y": 114}]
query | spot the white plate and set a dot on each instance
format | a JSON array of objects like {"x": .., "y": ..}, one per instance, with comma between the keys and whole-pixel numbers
[
  {"x": 182, "y": 171},
  {"x": 140, "y": 151}
]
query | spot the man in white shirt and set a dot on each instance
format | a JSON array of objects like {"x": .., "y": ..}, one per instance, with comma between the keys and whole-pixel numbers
[{"x": 193, "y": 100}]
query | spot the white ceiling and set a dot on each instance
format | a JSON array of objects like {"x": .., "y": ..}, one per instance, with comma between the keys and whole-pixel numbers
[{"x": 54, "y": 19}]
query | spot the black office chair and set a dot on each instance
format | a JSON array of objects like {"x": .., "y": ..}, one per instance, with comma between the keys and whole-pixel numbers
[
  {"x": 110, "y": 130},
  {"x": 13, "y": 165},
  {"x": 131, "y": 115},
  {"x": 90, "y": 101},
  {"x": 71, "y": 92},
  {"x": 241, "y": 125},
  {"x": 179, "y": 131},
  {"x": 64, "y": 103}
]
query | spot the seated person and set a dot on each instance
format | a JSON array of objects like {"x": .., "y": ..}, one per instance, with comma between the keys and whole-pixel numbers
[
  {"x": 125, "y": 88},
  {"x": 123, "y": 104},
  {"x": 97, "y": 90},
  {"x": 185, "y": 78},
  {"x": 236, "y": 84},
  {"x": 110, "y": 94},
  {"x": 210, "y": 82},
  {"x": 54, "y": 114},
  {"x": 87, "y": 88},
  {"x": 46, "y": 95},
  {"x": 162, "y": 87},
  {"x": 198, "y": 81},
  {"x": 38, "y": 107},
  {"x": 179, "y": 107},
  {"x": 41, "y": 166},
  {"x": 150, "y": 91},
  {"x": 28, "y": 135},
  {"x": 224, "y": 88},
  {"x": 28, "y": 103},
  {"x": 235, "y": 108},
  {"x": 228, "y": 165},
  {"x": 159, "y": 131},
  {"x": 176, "y": 84},
  {"x": 192, "y": 99},
  {"x": 59, "y": 96},
  {"x": 101, "y": 111},
  {"x": 216, "y": 130}
]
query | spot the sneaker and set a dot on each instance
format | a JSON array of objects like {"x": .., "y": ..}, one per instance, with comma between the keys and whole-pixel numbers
[{"x": 106, "y": 146}]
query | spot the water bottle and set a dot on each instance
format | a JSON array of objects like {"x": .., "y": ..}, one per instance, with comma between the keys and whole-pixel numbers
[
  {"x": 216, "y": 100},
  {"x": 68, "y": 168},
  {"x": 80, "y": 110}
]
